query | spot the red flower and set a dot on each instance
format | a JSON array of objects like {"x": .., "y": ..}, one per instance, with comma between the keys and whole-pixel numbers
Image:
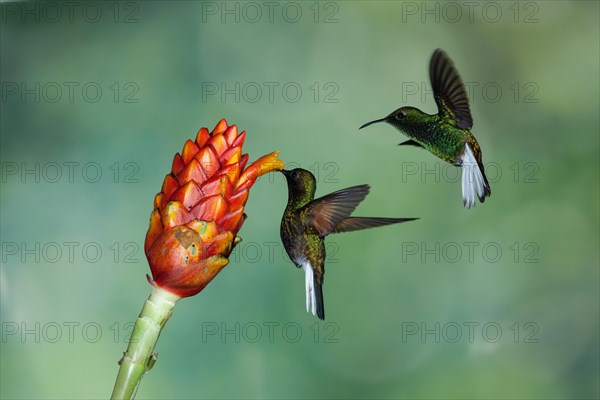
[{"x": 200, "y": 209}]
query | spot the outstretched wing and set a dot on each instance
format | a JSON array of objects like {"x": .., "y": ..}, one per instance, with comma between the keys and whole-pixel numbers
[
  {"x": 328, "y": 211},
  {"x": 448, "y": 90}
]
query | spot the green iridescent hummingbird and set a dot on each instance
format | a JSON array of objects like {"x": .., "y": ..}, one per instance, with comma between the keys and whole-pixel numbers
[
  {"x": 446, "y": 134},
  {"x": 306, "y": 221}
]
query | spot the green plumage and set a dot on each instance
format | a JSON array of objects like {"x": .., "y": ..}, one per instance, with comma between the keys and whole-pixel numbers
[
  {"x": 447, "y": 133},
  {"x": 436, "y": 134},
  {"x": 307, "y": 221}
]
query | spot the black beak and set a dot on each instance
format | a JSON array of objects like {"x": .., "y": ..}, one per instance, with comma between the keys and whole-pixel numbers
[
  {"x": 285, "y": 172},
  {"x": 373, "y": 122}
]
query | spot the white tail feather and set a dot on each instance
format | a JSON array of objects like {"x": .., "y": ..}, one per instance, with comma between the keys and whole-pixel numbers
[
  {"x": 311, "y": 301},
  {"x": 473, "y": 182}
]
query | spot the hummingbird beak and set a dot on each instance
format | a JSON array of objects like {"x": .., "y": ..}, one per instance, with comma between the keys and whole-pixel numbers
[
  {"x": 285, "y": 172},
  {"x": 373, "y": 122}
]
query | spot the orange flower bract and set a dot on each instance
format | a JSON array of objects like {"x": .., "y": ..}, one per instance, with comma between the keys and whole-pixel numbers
[{"x": 200, "y": 209}]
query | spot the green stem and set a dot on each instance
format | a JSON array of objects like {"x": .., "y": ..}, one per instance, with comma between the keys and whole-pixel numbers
[{"x": 140, "y": 356}]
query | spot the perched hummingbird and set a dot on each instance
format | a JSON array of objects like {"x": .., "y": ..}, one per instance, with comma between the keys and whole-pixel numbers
[
  {"x": 446, "y": 134},
  {"x": 306, "y": 221}
]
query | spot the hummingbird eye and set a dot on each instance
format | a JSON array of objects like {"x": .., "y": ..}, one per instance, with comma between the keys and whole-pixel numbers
[{"x": 400, "y": 115}]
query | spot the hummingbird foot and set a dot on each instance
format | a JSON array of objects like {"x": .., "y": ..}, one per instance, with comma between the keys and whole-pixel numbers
[{"x": 474, "y": 181}]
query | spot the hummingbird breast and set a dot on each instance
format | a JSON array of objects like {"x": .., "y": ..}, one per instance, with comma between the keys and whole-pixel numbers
[
  {"x": 440, "y": 138},
  {"x": 300, "y": 244}
]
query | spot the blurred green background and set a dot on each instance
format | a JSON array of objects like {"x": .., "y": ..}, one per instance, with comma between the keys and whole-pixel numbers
[{"x": 501, "y": 301}]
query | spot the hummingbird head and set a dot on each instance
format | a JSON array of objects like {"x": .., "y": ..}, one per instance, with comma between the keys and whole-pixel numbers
[
  {"x": 301, "y": 186},
  {"x": 402, "y": 118}
]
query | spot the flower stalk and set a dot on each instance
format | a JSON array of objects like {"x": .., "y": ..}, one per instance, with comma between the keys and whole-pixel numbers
[{"x": 140, "y": 355}]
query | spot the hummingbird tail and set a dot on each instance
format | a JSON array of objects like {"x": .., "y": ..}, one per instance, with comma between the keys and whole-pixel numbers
[
  {"x": 314, "y": 292},
  {"x": 474, "y": 181},
  {"x": 319, "y": 300}
]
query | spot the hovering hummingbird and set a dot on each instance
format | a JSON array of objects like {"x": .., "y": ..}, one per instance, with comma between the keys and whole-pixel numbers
[
  {"x": 446, "y": 134},
  {"x": 306, "y": 221}
]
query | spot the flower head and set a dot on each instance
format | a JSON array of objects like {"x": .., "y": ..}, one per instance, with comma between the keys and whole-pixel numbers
[{"x": 200, "y": 209}]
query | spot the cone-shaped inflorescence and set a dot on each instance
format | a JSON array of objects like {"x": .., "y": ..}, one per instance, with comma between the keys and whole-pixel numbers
[{"x": 200, "y": 209}]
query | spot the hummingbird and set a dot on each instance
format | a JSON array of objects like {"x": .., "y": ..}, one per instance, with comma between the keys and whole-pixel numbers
[
  {"x": 307, "y": 221},
  {"x": 446, "y": 134}
]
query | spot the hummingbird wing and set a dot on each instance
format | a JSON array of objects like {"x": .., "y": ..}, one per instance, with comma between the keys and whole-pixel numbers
[
  {"x": 411, "y": 142},
  {"x": 448, "y": 90},
  {"x": 328, "y": 211},
  {"x": 357, "y": 223}
]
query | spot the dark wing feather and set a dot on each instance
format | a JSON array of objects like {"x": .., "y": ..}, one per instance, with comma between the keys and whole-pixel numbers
[
  {"x": 328, "y": 211},
  {"x": 411, "y": 142},
  {"x": 358, "y": 223},
  {"x": 448, "y": 90}
]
